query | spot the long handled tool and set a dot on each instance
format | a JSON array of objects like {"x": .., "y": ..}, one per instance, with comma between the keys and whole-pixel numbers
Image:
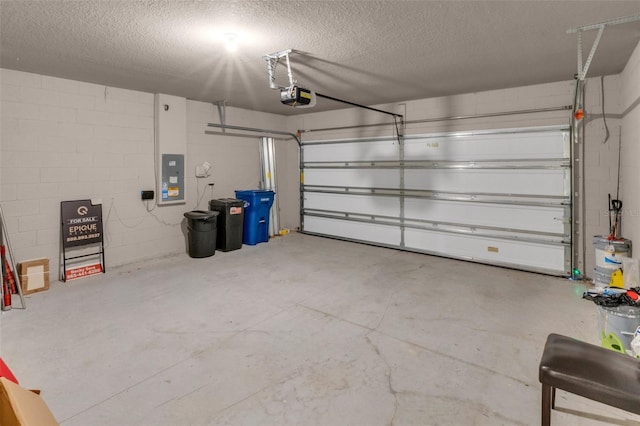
[
  {"x": 615, "y": 208},
  {"x": 6, "y": 293},
  {"x": 610, "y": 221},
  {"x": 615, "y": 205},
  {"x": 13, "y": 288},
  {"x": 10, "y": 281}
]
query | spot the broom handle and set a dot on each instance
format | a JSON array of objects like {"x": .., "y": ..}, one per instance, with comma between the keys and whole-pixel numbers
[{"x": 3, "y": 230}]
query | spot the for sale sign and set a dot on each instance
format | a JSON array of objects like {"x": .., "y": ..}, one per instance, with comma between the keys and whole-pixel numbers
[
  {"x": 81, "y": 223},
  {"x": 83, "y": 271}
]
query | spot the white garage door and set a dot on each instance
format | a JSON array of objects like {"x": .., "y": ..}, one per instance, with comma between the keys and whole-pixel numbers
[{"x": 498, "y": 197}]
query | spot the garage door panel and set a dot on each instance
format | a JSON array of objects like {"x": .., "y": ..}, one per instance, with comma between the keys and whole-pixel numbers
[
  {"x": 379, "y": 150},
  {"x": 501, "y": 197},
  {"x": 525, "y": 218},
  {"x": 361, "y": 204},
  {"x": 504, "y": 252},
  {"x": 521, "y": 182},
  {"x": 359, "y": 231},
  {"x": 537, "y": 145},
  {"x": 353, "y": 178}
]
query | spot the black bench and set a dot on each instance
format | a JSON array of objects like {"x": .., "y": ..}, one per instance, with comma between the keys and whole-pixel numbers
[{"x": 590, "y": 371}]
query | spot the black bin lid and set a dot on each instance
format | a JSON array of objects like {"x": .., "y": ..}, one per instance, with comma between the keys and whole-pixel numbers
[
  {"x": 201, "y": 214},
  {"x": 226, "y": 201}
]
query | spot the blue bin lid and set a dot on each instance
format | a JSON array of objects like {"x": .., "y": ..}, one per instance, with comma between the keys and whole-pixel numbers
[{"x": 251, "y": 192}]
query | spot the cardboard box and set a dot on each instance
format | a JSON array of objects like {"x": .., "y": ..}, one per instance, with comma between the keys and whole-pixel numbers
[
  {"x": 34, "y": 275},
  {"x": 21, "y": 407}
]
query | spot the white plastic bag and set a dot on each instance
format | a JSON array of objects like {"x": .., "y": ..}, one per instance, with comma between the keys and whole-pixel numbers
[
  {"x": 631, "y": 272},
  {"x": 635, "y": 343}
]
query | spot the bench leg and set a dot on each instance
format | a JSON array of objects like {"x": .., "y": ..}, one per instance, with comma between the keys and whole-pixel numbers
[
  {"x": 547, "y": 401},
  {"x": 553, "y": 398}
]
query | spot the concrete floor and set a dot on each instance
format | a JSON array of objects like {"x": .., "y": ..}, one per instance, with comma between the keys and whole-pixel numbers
[{"x": 302, "y": 330}]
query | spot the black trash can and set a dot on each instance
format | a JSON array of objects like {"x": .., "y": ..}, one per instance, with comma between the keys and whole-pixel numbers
[
  {"x": 230, "y": 221},
  {"x": 202, "y": 232}
]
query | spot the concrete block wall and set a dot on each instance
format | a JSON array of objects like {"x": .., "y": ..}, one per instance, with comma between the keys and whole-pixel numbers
[
  {"x": 631, "y": 150},
  {"x": 495, "y": 101},
  {"x": 601, "y": 158},
  {"x": 235, "y": 157},
  {"x": 241, "y": 172},
  {"x": 64, "y": 140},
  {"x": 67, "y": 140},
  {"x": 601, "y": 155}
]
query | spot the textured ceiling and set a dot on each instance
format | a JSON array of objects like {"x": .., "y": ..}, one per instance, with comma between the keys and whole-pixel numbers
[{"x": 369, "y": 52}]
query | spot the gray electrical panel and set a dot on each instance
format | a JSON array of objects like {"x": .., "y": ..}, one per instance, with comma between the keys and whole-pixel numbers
[{"x": 172, "y": 181}]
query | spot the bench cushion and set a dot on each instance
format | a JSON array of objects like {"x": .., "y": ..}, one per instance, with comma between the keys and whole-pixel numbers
[{"x": 592, "y": 372}]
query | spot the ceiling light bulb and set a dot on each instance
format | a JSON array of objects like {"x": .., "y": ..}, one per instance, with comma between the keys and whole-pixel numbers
[{"x": 231, "y": 42}]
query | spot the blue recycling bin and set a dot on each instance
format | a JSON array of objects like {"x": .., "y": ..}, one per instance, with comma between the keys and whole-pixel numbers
[{"x": 258, "y": 203}]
